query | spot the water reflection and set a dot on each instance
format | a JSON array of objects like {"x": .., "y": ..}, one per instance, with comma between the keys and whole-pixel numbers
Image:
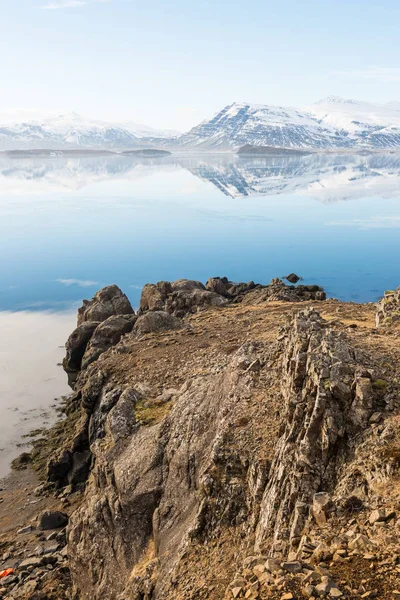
[{"x": 325, "y": 177}]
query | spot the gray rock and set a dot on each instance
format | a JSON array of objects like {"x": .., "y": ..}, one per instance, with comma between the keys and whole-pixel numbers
[
  {"x": 154, "y": 296},
  {"x": 107, "y": 334},
  {"x": 107, "y": 302},
  {"x": 76, "y": 345},
  {"x": 52, "y": 520},
  {"x": 292, "y": 278},
  {"x": 155, "y": 321},
  {"x": 26, "y": 529}
]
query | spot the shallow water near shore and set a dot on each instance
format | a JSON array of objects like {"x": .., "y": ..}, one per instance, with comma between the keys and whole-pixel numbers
[
  {"x": 31, "y": 382},
  {"x": 69, "y": 226}
]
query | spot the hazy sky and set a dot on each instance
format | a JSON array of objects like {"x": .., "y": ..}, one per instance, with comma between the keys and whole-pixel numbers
[{"x": 171, "y": 63}]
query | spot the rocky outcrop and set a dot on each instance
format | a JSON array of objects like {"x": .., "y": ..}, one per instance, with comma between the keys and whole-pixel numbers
[
  {"x": 329, "y": 399},
  {"x": 102, "y": 321},
  {"x": 184, "y": 296},
  {"x": 178, "y": 298},
  {"x": 107, "y": 334},
  {"x": 277, "y": 290},
  {"x": 107, "y": 302},
  {"x": 154, "y": 491},
  {"x": 388, "y": 309}
]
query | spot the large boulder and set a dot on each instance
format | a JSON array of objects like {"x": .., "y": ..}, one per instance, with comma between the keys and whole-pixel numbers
[
  {"x": 154, "y": 295},
  {"x": 154, "y": 321},
  {"x": 76, "y": 346},
  {"x": 187, "y": 285},
  {"x": 107, "y": 302},
  {"x": 107, "y": 334},
  {"x": 181, "y": 303}
]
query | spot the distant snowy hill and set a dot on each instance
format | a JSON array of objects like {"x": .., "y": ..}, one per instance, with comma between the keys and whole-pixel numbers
[
  {"x": 71, "y": 131},
  {"x": 328, "y": 124},
  {"x": 369, "y": 125}
]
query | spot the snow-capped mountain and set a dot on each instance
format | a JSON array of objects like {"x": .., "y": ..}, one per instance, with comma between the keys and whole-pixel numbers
[
  {"x": 72, "y": 131},
  {"x": 328, "y": 124},
  {"x": 65, "y": 131},
  {"x": 366, "y": 124},
  {"x": 239, "y": 124}
]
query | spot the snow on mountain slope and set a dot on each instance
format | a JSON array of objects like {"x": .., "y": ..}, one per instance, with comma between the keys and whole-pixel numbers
[
  {"x": 370, "y": 125},
  {"x": 144, "y": 131},
  {"x": 240, "y": 123}
]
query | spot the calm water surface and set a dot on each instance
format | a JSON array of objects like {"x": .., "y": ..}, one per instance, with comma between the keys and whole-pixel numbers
[{"x": 71, "y": 226}]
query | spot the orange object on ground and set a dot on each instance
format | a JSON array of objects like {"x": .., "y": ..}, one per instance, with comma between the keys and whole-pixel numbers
[{"x": 6, "y": 573}]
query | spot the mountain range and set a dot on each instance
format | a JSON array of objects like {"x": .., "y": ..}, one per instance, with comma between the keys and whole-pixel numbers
[{"x": 330, "y": 124}]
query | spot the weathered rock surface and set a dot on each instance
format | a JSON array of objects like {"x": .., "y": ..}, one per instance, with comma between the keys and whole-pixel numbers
[
  {"x": 76, "y": 346},
  {"x": 325, "y": 406},
  {"x": 277, "y": 290},
  {"x": 107, "y": 302},
  {"x": 154, "y": 321},
  {"x": 388, "y": 309},
  {"x": 107, "y": 334}
]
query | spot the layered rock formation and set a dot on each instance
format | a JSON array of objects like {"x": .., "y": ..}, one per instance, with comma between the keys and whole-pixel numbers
[
  {"x": 225, "y": 438},
  {"x": 388, "y": 310}
]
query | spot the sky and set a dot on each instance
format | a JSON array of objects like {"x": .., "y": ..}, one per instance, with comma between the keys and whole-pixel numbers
[{"x": 173, "y": 63}]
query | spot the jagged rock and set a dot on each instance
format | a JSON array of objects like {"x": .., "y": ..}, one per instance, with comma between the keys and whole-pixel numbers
[
  {"x": 154, "y": 321},
  {"x": 154, "y": 296},
  {"x": 277, "y": 290},
  {"x": 52, "y": 520},
  {"x": 219, "y": 285},
  {"x": 76, "y": 346},
  {"x": 361, "y": 542},
  {"x": 178, "y": 298},
  {"x": 107, "y": 302},
  {"x": 388, "y": 309},
  {"x": 318, "y": 424},
  {"x": 107, "y": 334},
  {"x": 320, "y": 507},
  {"x": 182, "y": 302}
]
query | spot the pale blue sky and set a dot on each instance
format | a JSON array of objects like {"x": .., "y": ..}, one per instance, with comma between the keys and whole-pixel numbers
[{"x": 171, "y": 63}]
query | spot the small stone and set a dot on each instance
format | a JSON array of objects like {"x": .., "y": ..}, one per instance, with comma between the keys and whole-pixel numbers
[
  {"x": 287, "y": 596},
  {"x": 272, "y": 565},
  {"x": 377, "y": 515},
  {"x": 26, "y": 529},
  {"x": 334, "y": 592},
  {"x": 292, "y": 566},
  {"x": 376, "y": 417},
  {"x": 361, "y": 542},
  {"x": 236, "y": 591}
]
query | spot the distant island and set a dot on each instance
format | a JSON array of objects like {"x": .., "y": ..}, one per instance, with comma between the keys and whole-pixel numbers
[
  {"x": 48, "y": 153},
  {"x": 250, "y": 150},
  {"x": 147, "y": 153}
]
